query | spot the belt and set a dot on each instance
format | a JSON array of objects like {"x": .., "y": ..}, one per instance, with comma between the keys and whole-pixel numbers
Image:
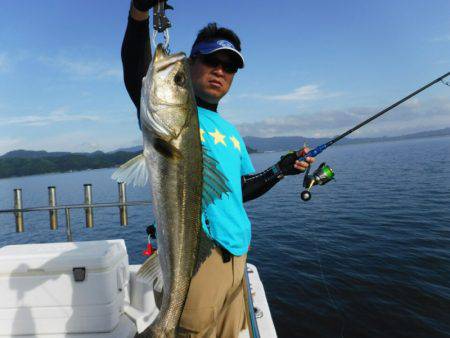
[{"x": 226, "y": 255}]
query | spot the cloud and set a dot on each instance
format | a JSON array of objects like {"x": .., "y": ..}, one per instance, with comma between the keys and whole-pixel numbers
[
  {"x": 84, "y": 69},
  {"x": 442, "y": 38},
  {"x": 56, "y": 116},
  {"x": 442, "y": 62},
  {"x": 304, "y": 93},
  {"x": 72, "y": 141},
  {"x": 4, "y": 63},
  {"x": 415, "y": 117},
  {"x": 9, "y": 143},
  {"x": 412, "y": 103}
]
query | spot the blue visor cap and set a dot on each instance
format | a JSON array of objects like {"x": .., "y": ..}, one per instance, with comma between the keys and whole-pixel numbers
[{"x": 212, "y": 46}]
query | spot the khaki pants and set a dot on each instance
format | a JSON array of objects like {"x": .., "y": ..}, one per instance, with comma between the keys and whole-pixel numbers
[{"x": 215, "y": 304}]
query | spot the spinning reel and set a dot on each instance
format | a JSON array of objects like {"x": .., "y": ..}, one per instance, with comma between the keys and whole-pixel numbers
[{"x": 322, "y": 175}]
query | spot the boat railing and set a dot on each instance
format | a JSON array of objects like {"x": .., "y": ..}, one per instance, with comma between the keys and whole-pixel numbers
[{"x": 88, "y": 207}]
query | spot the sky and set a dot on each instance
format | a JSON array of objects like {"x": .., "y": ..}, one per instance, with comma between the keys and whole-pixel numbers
[{"x": 313, "y": 68}]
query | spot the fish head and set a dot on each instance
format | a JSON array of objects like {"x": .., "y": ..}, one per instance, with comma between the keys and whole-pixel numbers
[{"x": 167, "y": 96}]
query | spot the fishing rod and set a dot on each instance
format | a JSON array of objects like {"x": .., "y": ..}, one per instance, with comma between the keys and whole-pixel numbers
[{"x": 324, "y": 174}]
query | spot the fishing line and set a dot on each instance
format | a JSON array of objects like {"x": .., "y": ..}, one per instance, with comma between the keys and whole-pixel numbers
[
  {"x": 333, "y": 302},
  {"x": 324, "y": 173}
]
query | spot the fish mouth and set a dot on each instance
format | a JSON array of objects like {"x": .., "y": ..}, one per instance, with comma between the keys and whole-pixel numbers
[
  {"x": 162, "y": 60},
  {"x": 169, "y": 61}
]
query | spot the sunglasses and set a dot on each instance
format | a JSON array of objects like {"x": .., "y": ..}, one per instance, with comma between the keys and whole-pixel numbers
[{"x": 213, "y": 62}]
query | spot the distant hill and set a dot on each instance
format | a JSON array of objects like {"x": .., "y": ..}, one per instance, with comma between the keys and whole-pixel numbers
[
  {"x": 32, "y": 165},
  {"x": 27, "y": 162},
  {"x": 42, "y": 153},
  {"x": 281, "y": 143},
  {"x": 32, "y": 154}
]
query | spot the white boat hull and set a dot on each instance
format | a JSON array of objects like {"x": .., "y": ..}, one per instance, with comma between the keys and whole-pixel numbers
[{"x": 139, "y": 309}]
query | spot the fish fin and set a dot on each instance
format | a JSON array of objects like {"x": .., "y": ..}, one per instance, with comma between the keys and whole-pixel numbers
[
  {"x": 206, "y": 199},
  {"x": 205, "y": 247},
  {"x": 166, "y": 149},
  {"x": 151, "y": 269},
  {"x": 134, "y": 171},
  {"x": 214, "y": 182}
]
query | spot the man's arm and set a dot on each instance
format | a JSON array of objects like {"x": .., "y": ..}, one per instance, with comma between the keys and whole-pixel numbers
[
  {"x": 254, "y": 186},
  {"x": 136, "y": 53}
]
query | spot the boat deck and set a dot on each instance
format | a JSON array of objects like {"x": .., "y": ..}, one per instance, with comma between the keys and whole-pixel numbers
[{"x": 134, "y": 319}]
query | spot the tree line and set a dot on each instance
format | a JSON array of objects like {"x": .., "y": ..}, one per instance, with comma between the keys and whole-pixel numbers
[{"x": 15, "y": 166}]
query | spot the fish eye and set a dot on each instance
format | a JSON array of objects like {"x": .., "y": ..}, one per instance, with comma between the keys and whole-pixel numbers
[{"x": 179, "y": 79}]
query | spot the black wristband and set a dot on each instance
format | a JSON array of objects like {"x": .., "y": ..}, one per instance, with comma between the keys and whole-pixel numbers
[{"x": 277, "y": 172}]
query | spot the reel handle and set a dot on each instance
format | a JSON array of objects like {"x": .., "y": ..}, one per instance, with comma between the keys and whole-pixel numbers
[{"x": 301, "y": 156}]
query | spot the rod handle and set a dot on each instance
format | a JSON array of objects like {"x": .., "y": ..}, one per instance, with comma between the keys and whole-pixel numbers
[{"x": 312, "y": 153}]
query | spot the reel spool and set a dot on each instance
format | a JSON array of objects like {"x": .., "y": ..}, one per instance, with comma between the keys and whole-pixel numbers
[{"x": 322, "y": 175}]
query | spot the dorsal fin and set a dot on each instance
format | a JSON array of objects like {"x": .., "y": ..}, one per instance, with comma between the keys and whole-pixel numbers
[{"x": 214, "y": 182}]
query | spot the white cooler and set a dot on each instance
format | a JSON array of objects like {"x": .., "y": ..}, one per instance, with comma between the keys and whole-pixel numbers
[{"x": 76, "y": 287}]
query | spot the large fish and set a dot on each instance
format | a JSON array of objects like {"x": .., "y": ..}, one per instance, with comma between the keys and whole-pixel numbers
[{"x": 183, "y": 179}]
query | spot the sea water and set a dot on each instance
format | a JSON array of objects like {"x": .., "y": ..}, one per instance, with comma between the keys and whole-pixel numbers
[{"x": 368, "y": 256}]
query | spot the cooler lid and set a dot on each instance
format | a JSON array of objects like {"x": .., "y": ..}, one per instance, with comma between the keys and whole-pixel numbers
[{"x": 61, "y": 257}]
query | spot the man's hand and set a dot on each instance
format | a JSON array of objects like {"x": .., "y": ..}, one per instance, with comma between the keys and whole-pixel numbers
[
  {"x": 145, "y": 5},
  {"x": 289, "y": 165},
  {"x": 139, "y": 8}
]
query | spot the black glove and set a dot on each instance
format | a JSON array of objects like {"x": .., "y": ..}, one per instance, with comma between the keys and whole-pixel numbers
[
  {"x": 286, "y": 164},
  {"x": 145, "y": 5}
]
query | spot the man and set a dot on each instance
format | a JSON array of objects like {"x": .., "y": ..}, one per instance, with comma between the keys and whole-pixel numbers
[{"x": 215, "y": 302}]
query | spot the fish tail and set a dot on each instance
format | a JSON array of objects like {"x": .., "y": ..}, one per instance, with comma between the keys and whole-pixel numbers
[{"x": 150, "y": 269}]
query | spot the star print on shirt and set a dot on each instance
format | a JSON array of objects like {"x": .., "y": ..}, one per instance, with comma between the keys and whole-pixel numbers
[
  {"x": 236, "y": 143},
  {"x": 218, "y": 137},
  {"x": 202, "y": 132}
]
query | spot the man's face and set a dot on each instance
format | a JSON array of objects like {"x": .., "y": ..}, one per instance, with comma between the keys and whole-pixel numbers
[{"x": 211, "y": 80}]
